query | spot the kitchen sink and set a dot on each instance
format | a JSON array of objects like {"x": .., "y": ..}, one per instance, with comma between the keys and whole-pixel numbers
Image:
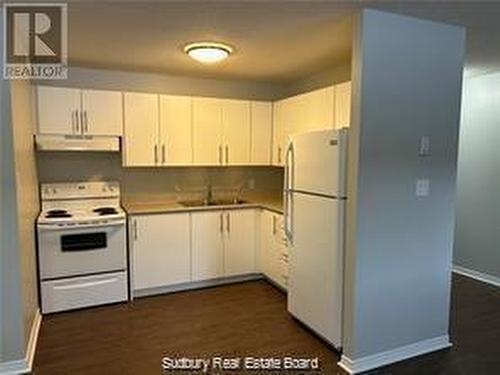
[{"x": 215, "y": 202}]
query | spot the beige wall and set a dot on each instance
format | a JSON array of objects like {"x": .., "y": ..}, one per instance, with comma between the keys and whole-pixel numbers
[
  {"x": 27, "y": 196},
  {"x": 336, "y": 74},
  {"x": 168, "y": 84},
  {"x": 11, "y": 324}
]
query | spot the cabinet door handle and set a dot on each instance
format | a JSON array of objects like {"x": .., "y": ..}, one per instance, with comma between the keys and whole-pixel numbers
[
  {"x": 163, "y": 154},
  {"x": 73, "y": 123},
  {"x": 77, "y": 117},
  {"x": 228, "y": 223},
  {"x": 221, "y": 223},
  {"x": 279, "y": 154},
  {"x": 227, "y": 154},
  {"x": 135, "y": 230},
  {"x": 274, "y": 225},
  {"x": 220, "y": 154},
  {"x": 82, "y": 123},
  {"x": 86, "y": 121},
  {"x": 156, "y": 154}
]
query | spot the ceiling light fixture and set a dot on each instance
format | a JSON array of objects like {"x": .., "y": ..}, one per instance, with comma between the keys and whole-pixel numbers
[{"x": 208, "y": 52}]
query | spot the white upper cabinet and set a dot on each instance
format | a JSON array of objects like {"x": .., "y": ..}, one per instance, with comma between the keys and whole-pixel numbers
[
  {"x": 239, "y": 242},
  {"x": 221, "y": 131},
  {"x": 343, "y": 104},
  {"x": 318, "y": 109},
  {"x": 175, "y": 133},
  {"x": 102, "y": 112},
  {"x": 206, "y": 245},
  {"x": 324, "y": 108},
  {"x": 141, "y": 146},
  {"x": 262, "y": 126},
  {"x": 278, "y": 133},
  {"x": 161, "y": 253},
  {"x": 236, "y": 132},
  {"x": 69, "y": 111},
  {"x": 58, "y": 110},
  {"x": 207, "y": 131}
]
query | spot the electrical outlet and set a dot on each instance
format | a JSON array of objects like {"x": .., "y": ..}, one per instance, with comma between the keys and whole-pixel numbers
[{"x": 422, "y": 188}]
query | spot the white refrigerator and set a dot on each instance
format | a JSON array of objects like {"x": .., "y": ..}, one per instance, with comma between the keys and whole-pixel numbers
[{"x": 314, "y": 211}]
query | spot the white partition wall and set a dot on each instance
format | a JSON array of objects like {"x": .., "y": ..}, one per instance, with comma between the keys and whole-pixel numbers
[{"x": 407, "y": 76}]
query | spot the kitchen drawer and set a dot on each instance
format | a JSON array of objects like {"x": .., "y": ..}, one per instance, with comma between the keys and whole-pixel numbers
[{"x": 85, "y": 291}]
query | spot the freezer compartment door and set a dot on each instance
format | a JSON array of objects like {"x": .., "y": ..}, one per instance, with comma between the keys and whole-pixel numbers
[
  {"x": 318, "y": 162},
  {"x": 316, "y": 265}
]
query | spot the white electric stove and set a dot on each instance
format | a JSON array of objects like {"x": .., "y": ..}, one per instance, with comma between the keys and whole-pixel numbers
[{"x": 82, "y": 246}]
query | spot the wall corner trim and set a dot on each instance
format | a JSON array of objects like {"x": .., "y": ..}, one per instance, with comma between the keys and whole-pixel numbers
[
  {"x": 480, "y": 276},
  {"x": 395, "y": 355},
  {"x": 25, "y": 365}
]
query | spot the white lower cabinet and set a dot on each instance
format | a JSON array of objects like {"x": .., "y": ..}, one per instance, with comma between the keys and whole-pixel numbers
[
  {"x": 223, "y": 243},
  {"x": 177, "y": 248},
  {"x": 206, "y": 242},
  {"x": 161, "y": 254},
  {"x": 273, "y": 253},
  {"x": 239, "y": 242}
]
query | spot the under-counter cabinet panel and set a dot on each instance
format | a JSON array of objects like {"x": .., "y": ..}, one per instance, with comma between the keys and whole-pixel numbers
[
  {"x": 160, "y": 248},
  {"x": 236, "y": 132},
  {"x": 207, "y": 131},
  {"x": 262, "y": 126},
  {"x": 102, "y": 112},
  {"x": 267, "y": 234},
  {"x": 175, "y": 130},
  {"x": 141, "y": 147},
  {"x": 58, "y": 110},
  {"x": 239, "y": 242},
  {"x": 273, "y": 251},
  {"x": 207, "y": 247}
]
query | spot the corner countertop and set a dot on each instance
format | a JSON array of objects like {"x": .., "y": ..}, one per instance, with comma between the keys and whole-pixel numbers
[{"x": 141, "y": 205}]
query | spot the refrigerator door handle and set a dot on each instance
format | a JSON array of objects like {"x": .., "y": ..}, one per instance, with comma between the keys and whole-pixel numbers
[{"x": 288, "y": 201}]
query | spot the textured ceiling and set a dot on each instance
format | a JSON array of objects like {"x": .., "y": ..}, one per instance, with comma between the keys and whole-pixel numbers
[
  {"x": 275, "y": 42},
  {"x": 278, "y": 41}
]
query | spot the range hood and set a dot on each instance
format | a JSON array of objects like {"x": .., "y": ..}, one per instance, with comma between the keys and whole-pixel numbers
[{"x": 76, "y": 143}]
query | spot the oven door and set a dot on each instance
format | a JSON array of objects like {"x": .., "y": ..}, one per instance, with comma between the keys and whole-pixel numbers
[{"x": 80, "y": 251}]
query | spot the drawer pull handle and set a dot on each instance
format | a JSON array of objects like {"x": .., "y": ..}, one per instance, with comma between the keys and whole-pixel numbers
[{"x": 86, "y": 285}]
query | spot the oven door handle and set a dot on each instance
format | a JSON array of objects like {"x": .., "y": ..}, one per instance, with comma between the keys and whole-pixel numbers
[{"x": 52, "y": 227}]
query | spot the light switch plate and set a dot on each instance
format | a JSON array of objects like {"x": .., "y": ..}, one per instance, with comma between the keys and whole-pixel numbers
[
  {"x": 422, "y": 188},
  {"x": 425, "y": 146}
]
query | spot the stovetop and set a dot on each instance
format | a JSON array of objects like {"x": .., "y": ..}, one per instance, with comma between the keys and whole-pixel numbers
[
  {"x": 80, "y": 203},
  {"x": 84, "y": 214}
]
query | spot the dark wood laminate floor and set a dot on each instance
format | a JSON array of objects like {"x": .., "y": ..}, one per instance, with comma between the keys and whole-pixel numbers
[{"x": 239, "y": 320}]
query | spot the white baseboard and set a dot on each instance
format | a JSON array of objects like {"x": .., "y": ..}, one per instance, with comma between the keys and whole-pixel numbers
[
  {"x": 395, "y": 355},
  {"x": 484, "y": 277},
  {"x": 25, "y": 365}
]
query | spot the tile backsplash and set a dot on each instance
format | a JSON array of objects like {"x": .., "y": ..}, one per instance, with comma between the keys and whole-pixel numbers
[{"x": 95, "y": 166}]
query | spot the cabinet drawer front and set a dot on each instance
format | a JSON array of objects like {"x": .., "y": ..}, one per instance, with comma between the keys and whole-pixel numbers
[{"x": 78, "y": 292}]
